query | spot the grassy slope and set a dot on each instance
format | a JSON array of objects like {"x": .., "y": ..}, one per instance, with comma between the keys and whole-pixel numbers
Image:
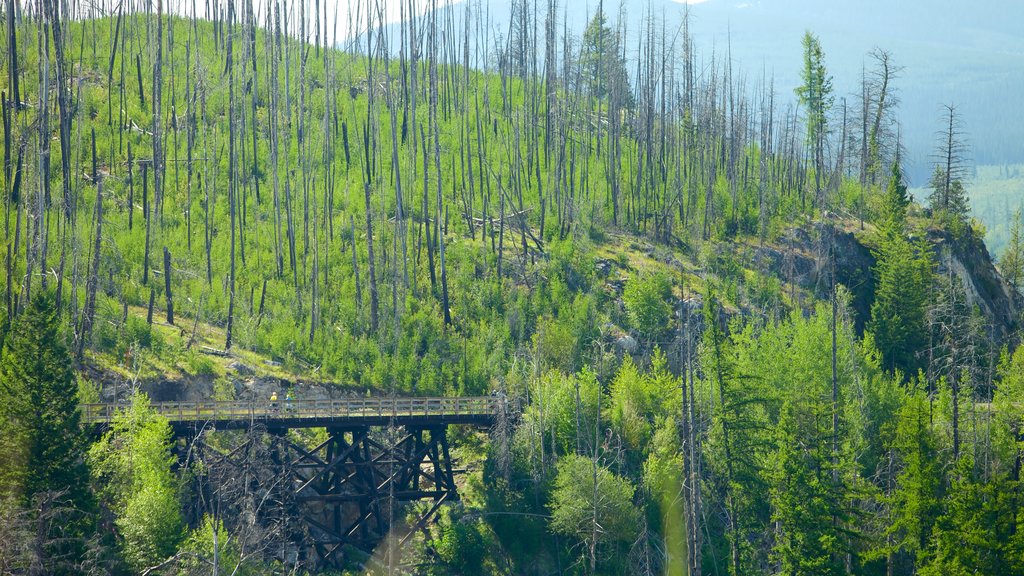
[{"x": 494, "y": 320}]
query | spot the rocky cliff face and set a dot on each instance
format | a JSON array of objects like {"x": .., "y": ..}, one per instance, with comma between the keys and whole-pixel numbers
[
  {"x": 966, "y": 258},
  {"x": 969, "y": 261}
]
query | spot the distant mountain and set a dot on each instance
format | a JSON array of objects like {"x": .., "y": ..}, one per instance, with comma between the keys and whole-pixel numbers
[{"x": 970, "y": 54}]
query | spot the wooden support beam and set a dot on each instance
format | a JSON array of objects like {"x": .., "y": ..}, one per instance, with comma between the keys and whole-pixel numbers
[{"x": 340, "y": 490}]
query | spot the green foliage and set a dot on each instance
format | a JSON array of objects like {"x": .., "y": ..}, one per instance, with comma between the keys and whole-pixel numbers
[
  {"x": 132, "y": 467},
  {"x": 209, "y": 545},
  {"x": 1009, "y": 412},
  {"x": 804, "y": 503},
  {"x": 977, "y": 534},
  {"x": 640, "y": 401},
  {"x": 663, "y": 480},
  {"x": 895, "y": 202},
  {"x": 1011, "y": 263},
  {"x": 561, "y": 416},
  {"x": 40, "y": 412},
  {"x": 603, "y": 64},
  {"x": 42, "y": 447},
  {"x": 463, "y": 545},
  {"x": 916, "y": 499},
  {"x": 647, "y": 300},
  {"x": 592, "y": 504},
  {"x": 948, "y": 199},
  {"x": 815, "y": 94},
  {"x": 773, "y": 485},
  {"x": 903, "y": 291}
]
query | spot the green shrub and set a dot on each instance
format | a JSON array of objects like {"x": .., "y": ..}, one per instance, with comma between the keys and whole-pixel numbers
[
  {"x": 200, "y": 365},
  {"x": 647, "y": 303}
]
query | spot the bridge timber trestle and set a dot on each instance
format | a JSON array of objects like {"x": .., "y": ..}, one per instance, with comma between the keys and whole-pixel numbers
[
  {"x": 350, "y": 484},
  {"x": 346, "y": 488}
]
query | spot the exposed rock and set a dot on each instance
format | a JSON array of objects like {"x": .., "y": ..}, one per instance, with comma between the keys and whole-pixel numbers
[
  {"x": 617, "y": 285},
  {"x": 854, "y": 270},
  {"x": 801, "y": 259},
  {"x": 626, "y": 344},
  {"x": 796, "y": 260},
  {"x": 970, "y": 262},
  {"x": 241, "y": 369}
]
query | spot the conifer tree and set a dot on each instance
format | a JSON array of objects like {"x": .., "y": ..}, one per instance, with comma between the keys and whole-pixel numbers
[
  {"x": 895, "y": 202},
  {"x": 980, "y": 516},
  {"x": 948, "y": 194},
  {"x": 815, "y": 96},
  {"x": 604, "y": 68},
  {"x": 949, "y": 197},
  {"x": 1011, "y": 263},
  {"x": 904, "y": 277},
  {"x": 44, "y": 456},
  {"x": 803, "y": 501},
  {"x": 916, "y": 499}
]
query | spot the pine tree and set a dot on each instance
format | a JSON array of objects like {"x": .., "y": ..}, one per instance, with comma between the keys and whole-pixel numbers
[
  {"x": 603, "y": 65},
  {"x": 895, "y": 202},
  {"x": 904, "y": 277},
  {"x": 803, "y": 500},
  {"x": 915, "y": 501},
  {"x": 1011, "y": 263},
  {"x": 41, "y": 421}
]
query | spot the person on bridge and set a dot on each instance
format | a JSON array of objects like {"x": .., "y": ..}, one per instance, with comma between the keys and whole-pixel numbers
[
  {"x": 273, "y": 400},
  {"x": 288, "y": 400}
]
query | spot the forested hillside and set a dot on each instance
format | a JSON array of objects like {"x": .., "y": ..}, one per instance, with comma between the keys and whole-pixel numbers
[{"x": 736, "y": 345}]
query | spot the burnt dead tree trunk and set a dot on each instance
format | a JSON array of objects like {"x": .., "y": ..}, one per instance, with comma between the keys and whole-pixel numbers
[
  {"x": 232, "y": 180},
  {"x": 167, "y": 286},
  {"x": 158, "y": 153},
  {"x": 89, "y": 313},
  {"x": 369, "y": 257}
]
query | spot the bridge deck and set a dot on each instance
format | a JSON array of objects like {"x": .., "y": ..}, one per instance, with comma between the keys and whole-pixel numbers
[{"x": 347, "y": 412}]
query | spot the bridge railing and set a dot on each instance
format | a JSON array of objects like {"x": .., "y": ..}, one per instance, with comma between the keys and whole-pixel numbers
[{"x": 369, "y": 407}]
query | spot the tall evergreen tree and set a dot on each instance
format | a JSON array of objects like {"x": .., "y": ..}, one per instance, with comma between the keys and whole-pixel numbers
[
  {"x": 803, "y": 500},
  {"x": 815, "y": 96},
  {"x": 948, "y": 195},
  {"x": 603, "y": 65},
  {"x": 915, "y": 501},
  {"x": 980, "y": 519},
  {"x": 895, "y": 202},
  {"x": 1011, "y": 263},
  {"x": 904, "y": 278},
  {"x": 44, "y": 456}
]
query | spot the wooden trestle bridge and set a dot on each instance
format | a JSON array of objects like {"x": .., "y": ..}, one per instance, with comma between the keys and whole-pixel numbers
[{"x": 377, "y": 452}]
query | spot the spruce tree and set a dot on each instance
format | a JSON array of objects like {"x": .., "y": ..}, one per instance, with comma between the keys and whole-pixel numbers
[
  {"x": 42, "y": 421},
  {"x": 603, "y": 65},
  {"x": 903, "y": 281},
  {"x": 916, "y": 499},
  {"x": 803, "y": 499},
  {"x": 895, "y": 202},
  {"x": 1011, "y": 263},
  {"x": 948, "y": 197}
]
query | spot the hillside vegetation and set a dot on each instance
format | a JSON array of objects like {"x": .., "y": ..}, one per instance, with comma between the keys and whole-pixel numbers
[{"x": 738, "y": 346}]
